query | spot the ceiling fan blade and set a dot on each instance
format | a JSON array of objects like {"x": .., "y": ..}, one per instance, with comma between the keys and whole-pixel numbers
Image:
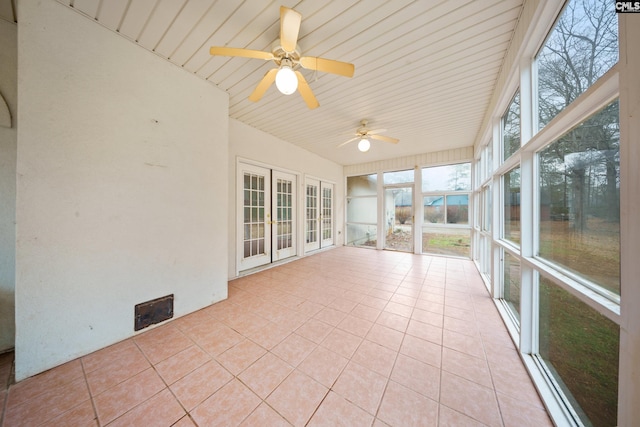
[
  {"x": 236, "y": 51},
  {"x": 385, "y": 138},
  {"x": 264, "y": 84},
  {"x": 306, "y": 92},
  {"x": 289, "y": 28},
  {"x": 375, "y": 131},
  {"x": 346, "y": 142},
  {"x": 327, "y": 65}
]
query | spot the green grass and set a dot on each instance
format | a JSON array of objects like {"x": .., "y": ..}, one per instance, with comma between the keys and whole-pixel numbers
[{"x": 582, "y": 346}]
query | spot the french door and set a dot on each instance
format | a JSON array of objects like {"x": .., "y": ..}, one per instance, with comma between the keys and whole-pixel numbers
[
  {"x": 268, "y": 206},
  {"x": 318, "y": 214}
]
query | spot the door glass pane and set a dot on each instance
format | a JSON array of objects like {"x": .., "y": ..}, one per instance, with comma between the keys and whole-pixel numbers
[
  {"x": 579, "y": 204},
  {"x": 312, "y": 213},
  {"x": 511, "y": 185},
  {"x": 284, "y": 210},
  {"x": 398, "y": 204},
  {"x": 327, "y": 213},
  {"x": 580, "y": 348},
  {"x": 254, "y": 225}
]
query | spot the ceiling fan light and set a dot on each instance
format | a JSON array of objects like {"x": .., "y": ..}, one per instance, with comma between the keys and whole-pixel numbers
[
  {"x": 286, "y": 80},
  {"x": 364, "y": 145}
]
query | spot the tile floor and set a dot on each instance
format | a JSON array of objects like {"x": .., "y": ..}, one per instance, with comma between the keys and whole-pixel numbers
[{"x": 346, "y": 337}]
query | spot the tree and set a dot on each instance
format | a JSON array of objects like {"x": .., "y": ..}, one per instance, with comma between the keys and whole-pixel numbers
[{"x": 580, "y": 49}]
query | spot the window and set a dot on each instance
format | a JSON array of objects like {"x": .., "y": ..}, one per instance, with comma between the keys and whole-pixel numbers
[
  {"x": 579, "y": 206},
  {"x": 447, "y": 178},
  {"x": 362, "y": 210},
  {"x": 582, "y": 46},
  {"x": 446, "y": 229},
  {"x": 511, "y": 283},
  {"x": 511, "y": 128},
  {"x": 579, "y": 347},
  {"x": 511, "y": 184}
]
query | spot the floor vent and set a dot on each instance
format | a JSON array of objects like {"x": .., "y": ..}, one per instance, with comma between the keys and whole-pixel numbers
[{"x": 152, "y": 312}]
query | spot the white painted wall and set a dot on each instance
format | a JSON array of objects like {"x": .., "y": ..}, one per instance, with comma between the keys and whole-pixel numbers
[
  {"x": 8, "y": 140},
  {"x": 249, "y": 143},
  {"x": 121, "y": 195}
]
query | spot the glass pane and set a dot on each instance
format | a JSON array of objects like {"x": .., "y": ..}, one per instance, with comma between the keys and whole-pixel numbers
[
  {"x": 511, "y": 283},
  {"x": 511, "y": 185},
  {"x": 366, "y": 185},
  {"x": 362, "y": 235},
  {"x": 398, "y": 204},
  {"x": 362, "y": 209},
  {"x": 434, "y": 209},
  {"x": 446, "y": 241},
  {"x": 580, "y": 347},
  {"x": 458, "y": 209},
  {"x": 582, "y": 46},
  {"x": 486, "y": 211},
  {"x": 447, "y": 178},
  {"x": 511, "y": 128},
  {"x": 400, "y": 177},
  {"x": 580, "y": 200}
]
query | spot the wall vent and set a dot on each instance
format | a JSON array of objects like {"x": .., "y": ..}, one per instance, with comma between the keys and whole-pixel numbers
[{"x": 152, "y": 312}]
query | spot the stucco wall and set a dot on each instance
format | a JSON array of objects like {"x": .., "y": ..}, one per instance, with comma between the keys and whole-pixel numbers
[
  {"x": 121, "y": 194},
  {"x": 8, "y": 139}
]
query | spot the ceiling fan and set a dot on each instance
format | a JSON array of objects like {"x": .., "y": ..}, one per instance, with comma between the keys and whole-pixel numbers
[
  {"x": 364, "y": 135},
  {"x": 287, "y": 57}
]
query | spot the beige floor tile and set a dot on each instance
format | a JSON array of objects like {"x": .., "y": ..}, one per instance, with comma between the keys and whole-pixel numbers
[
  {"x": 469, "y": 398},
  {"x": 422, "y": 350},
  {"x": 466, "y": 366},
  {"x": 451, "y": 418},
  {"x": 161, "y": 409},
  {"x": 341, "y": 342},
  {"x": 375, "y": 357},
  {"x": 228, "y": 406},
  {"x": 181, "y": 364},
  {"x": 385, "y": 336},
  {"x": 335, "y": 411},
  {"x": 355, "y": 325},
  {"x": 323, "y": 365},
  {"x": 418, "y": 376},
  {"x": 518, "y": 412},
  {"x": 162, "y": 343},
  {"x": 264, "y": 416},
  {"x": 266, "y": 374},
  {"x": 361, "y": 386},
  {"x": 404, "y": 407},
  {"x": 200, "y": 384},
  {"x": 127, "y": 395},
  {"x": 294, "y": 349},
  {"x": 425, "y": 331},
  {"x": 49, "y": 404},
  {"x": 314, "y": 330},
  {"x": 241, "y": 356},
  {"x": 297, "y": 398}
]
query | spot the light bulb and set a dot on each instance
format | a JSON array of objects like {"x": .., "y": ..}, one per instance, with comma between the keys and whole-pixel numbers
[
  {"x": 364, "y": 145},
  {"x": 286, "y": 80}
]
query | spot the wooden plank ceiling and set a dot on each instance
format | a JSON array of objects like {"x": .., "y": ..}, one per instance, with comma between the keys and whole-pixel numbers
[{"x": 424, "y": 70}]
